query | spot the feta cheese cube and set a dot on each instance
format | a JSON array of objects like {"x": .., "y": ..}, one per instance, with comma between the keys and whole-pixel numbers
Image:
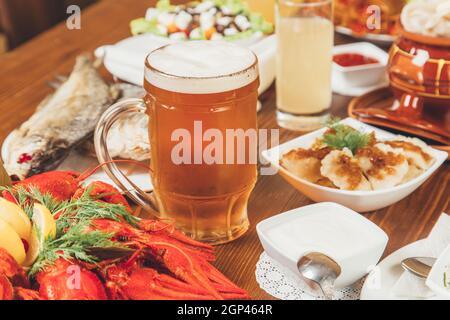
[
  {"x": 224, "y": 21},
  {"x": 206, "y": 21},
  {"x": 212, "y": 11},
  {"x": 162, "y": 30},
  {"x": 196, "y": 34},
  {"x": 205, "y": 6},
  {"x": 242, "y": 22},
  {"x": 216, "y": 36},
  {"x": 182, "y": 20},
  {"x": 151, "y": 14},
  {"x": 178, "y": 36},
  {"x": 230, "y": 31},
  {"x": 166, "y": 19}
]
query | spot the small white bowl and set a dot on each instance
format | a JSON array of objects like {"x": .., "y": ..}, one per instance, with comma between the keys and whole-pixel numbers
[
  {"x": 364, "y": 75},
  {"x": 361, "y": 201},
  {"x": 355, "y": 261},
  {"x": 435, "y": 280}
]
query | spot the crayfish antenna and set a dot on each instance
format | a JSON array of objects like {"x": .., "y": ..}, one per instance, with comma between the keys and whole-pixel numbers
[
  {"x": 183, "y": 266},
  {"x": 157, "y": 227},
  {"x": 222, "y": 283},
  {"x": 26, "y": 294},
  {"x": 146, "y": 283}
]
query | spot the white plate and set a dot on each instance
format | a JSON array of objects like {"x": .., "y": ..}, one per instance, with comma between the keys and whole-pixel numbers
[
  {"x": 380, "y": 282},
  {"x": 435, "y": 280},
  {"x": 381, "y": 39},
  {"x": 360, "y": 201},
  {"x": 77, "y": 162},
  {"x": 125, "y": 59}
]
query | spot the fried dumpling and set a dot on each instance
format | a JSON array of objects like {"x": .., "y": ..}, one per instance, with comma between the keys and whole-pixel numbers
[
  {"x": 383, "y": 165},
  {"x": 417, "y": 152},
  {"x": 343, "y": 170},
  {"x": 305, "y": 163}
]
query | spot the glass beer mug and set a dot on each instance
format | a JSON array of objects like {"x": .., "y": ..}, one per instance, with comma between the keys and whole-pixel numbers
[{"x": 201, "y": 101}]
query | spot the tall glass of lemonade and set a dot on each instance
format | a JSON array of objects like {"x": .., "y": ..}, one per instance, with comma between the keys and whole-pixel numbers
[{"x": 304, "y": 58}]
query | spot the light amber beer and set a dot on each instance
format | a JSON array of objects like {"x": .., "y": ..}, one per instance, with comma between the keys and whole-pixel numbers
[{"x": 201, "y": 101}]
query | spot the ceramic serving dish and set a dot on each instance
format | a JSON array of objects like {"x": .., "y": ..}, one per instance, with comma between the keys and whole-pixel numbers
[
  {"x": 419, "y": 72},
  {"x": 361, "y": 201}
]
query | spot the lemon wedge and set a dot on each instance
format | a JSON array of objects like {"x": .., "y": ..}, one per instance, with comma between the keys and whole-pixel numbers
[
  {"x": 16, "y": 217},
  {"x": 44, "y": 226},
  {"x": 11, "y": 242},
  {"x": 43, "y": 219}
]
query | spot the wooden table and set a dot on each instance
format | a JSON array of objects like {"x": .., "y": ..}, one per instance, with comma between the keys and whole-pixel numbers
[{"x": 25, "y": 72}]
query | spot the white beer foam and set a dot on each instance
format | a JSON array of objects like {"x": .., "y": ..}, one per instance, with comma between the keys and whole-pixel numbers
[{"x": 201, "y": 67}]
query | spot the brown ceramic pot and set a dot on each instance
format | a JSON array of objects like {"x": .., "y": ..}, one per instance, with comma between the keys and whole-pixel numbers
[{"x": 419, "y": 72}]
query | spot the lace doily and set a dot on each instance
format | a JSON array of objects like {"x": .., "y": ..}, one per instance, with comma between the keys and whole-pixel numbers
[{"x": 281, "y": 283}]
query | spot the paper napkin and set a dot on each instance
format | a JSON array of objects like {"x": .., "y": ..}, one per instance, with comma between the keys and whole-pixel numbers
[{"x": 410, "y": 286}]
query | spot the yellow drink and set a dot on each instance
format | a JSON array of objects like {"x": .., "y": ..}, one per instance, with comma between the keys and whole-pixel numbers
[{"x": 304, "y": 64}]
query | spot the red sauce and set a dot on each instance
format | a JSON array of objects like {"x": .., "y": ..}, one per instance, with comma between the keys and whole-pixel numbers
[
  {"x": 353, "y": 59},
  {"x": 24, "y": 157}
]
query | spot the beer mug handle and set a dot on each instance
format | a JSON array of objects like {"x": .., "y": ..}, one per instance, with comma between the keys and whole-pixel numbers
[{"x": 111, "y": 115}]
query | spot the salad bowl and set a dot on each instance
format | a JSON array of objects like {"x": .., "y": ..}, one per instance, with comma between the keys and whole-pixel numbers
[
  {"x": 212, "y": 20},
  {"x": 124, "y": 59}
]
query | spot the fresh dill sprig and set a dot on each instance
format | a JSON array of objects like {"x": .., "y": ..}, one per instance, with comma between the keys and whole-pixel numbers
[
  {"x": 73, "y": 244},
  {"x": 72, "y": 241},
  {"x": 87, "y": 209},
  {"x": 341, "y": 136},
  {"x": 46, "y": 199},
  {"x": 22, "y": 198}
]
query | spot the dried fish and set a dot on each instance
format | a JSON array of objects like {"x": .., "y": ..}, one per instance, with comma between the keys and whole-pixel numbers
[
  {"x": 62, "y": 121},
  {"x": 128, "y": 137}
]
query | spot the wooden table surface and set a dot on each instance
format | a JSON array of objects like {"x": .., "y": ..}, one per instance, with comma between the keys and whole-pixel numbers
[{"x": 24, "y": 74}]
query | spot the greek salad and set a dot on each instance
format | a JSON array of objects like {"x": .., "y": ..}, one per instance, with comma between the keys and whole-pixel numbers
[{"x": 202, "y": 20}]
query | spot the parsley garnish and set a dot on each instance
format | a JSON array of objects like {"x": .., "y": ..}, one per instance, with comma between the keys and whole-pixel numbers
[{"x": 341, "y": 136}]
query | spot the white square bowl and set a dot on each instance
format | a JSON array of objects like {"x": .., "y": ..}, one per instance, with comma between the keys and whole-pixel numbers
[
  {"x": 364, "y": 75},
  {"x": 357, "y": 265},
  {"x": 361, "y": 201},
  {"x": 435, "y": 280}
]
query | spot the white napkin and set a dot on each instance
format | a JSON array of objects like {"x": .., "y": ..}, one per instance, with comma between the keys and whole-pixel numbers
[{"x": 410, "y": 286}]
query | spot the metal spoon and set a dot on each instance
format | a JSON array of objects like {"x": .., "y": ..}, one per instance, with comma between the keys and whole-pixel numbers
[
  {"x": 319, "y": 272},
  {"x": 419, "y": 266}
]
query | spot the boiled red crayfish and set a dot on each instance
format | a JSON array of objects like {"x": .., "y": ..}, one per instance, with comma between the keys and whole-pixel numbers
[
  {"x": 14, "y": 283},
  {"x": 164, "y": 264}
]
